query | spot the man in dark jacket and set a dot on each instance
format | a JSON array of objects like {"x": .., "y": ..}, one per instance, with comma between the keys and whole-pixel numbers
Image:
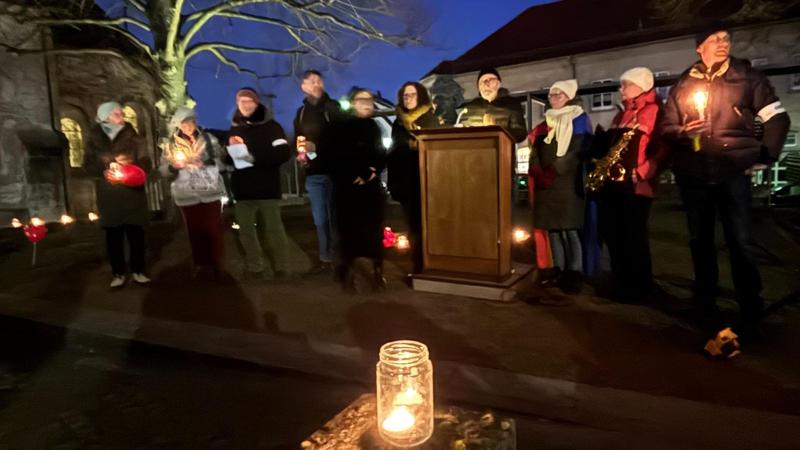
[
  {"x": 256, "y": 183},
  {"x": 316, "y": 114},
  {"x": 709, "y": 123},
  {"x": 494, "y": 107}
]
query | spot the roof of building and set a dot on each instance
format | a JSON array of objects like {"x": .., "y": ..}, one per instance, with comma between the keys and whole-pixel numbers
[{"x": 569, "y": 27}]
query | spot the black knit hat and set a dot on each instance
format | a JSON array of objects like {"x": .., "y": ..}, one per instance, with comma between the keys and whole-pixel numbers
[
  {"x": 487, "y": 71},
  {"x": 708, "y": 30}
]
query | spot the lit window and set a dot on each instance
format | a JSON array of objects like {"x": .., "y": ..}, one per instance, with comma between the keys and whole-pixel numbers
[
  {"x": 131, "y": 117},
  {"x": 791, "y": 139},
  {"x": 662, "y": 91},
  {"x": 72, "y": 131},
  {"x": 602, "y": 101}
]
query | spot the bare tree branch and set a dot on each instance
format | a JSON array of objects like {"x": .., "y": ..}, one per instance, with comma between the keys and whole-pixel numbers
[
  {"x": 208, "y": 46},
  {"x": 136, "y": 5},
  {"x": 174, "y": 29},
  {"x": 228, "y": 62},
  {"x": 109, "y": 23}
]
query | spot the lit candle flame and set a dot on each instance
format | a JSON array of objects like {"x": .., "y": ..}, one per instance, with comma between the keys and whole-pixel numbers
[
  {"x": 180, "y": 156},
  {"x": 700, "y": 102},
  {"x": 402, "y": 242},
  {"x": 93, "y": 217},
  {"x": 66, "y": 220},
  {"x": 235, "y": 226},
  {"x": 521, "y": 235},
  {"x": 16, "y": 223},
  {"x": 399, "y": 420},
  {"x": 408, "y": 397},
  {"x": 37, "y": 222}
]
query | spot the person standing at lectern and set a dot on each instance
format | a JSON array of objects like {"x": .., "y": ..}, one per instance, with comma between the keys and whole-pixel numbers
[{"x": 494, "y": 107}]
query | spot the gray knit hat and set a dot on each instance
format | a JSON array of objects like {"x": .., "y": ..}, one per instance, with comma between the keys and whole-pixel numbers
[
  {"x": 105, "y": 110},
  {"x": 181, "y": 114}
]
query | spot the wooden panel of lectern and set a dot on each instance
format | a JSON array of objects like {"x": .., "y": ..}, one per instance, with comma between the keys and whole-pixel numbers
[{"x": 466, "y": 203}]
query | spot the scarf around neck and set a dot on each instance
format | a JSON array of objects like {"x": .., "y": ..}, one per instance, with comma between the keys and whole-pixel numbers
[
  {"x": 408, "y": 117},
  {"x": 111, "y": 130},
  {"x": 559, "y": 125}
]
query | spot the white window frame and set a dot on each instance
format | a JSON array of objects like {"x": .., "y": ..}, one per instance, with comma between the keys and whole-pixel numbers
[
  {"x": 795, "y": 82},
  {"x": 605, "y": 96},
  {"x": 662, "y": 91},
  {"x": 759, "y": 62}
]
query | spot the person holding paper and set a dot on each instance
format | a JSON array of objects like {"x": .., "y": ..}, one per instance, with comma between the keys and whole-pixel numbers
[{"x": 257, "y": 148}]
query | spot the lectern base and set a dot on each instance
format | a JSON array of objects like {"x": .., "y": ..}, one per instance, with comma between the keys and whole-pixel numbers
[{"x": 504, "y": 291}]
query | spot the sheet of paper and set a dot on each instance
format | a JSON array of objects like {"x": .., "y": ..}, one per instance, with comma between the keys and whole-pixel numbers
[{"x": 238, "y": 152}]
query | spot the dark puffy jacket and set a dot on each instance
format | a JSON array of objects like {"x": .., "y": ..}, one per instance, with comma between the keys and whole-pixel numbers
[
  {"x": 311, "y": 120},
  {"x": 737, "y": 94},
  {"x": 266, "y": 142},
  {"x": 403, "y": 159},
  {"x": 356, "y": 148},
  {"x": 507, "y": 112},
  {"x": 117, "y": 204}
]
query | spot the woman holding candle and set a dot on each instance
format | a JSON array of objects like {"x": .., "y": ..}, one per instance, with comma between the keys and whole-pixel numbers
[
  {"x": 115, "y": 156},
  {"x": 557, "y": 146},
  {"x": 355, "y": 161},
  {"x": 624, "y": 204},
  {"x": 193, "y": 157}
]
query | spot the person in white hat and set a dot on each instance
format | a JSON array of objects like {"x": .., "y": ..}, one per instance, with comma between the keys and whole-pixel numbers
[
  {"x": 557, "y": 146},
  {"x": 624, "y": 204}
]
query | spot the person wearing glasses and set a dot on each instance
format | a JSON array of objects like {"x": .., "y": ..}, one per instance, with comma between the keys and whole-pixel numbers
[
  {"x": 355, "y": 159},
  {"x": 414, "y": 112},
  {"x": 558, "y": 145},
  {"x": 710, "y": 125},
  {"x": 494, "y": 107}
]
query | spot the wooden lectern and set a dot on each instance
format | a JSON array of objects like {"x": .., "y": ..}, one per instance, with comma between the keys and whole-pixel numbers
[{"x": 465, "y": 176}]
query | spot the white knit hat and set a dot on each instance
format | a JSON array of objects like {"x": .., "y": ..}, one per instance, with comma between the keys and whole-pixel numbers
[
  {"x": 105, "y": 110},
  {"x": 181, "y": 114},
  {"x": 640, "y": 76},
  {"x": 569, "y": 87}
]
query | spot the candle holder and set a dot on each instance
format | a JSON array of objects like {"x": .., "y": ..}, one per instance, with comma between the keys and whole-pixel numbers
[{"x": 404, "y": 379}]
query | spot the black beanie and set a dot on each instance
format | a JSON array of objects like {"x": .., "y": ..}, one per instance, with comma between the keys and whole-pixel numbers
[
  {"x": 487, "y": 71},
  {"x": 710, "y": 29}
]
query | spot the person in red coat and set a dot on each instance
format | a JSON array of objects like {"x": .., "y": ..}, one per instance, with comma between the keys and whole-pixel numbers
[{"x": 624, "y": 205}]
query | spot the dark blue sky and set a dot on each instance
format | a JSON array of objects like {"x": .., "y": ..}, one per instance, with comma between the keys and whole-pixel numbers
[{"x": 457, "y": 25}]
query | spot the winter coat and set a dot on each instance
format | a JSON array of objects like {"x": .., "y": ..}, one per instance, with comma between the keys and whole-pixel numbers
[
  {"x": 645, "y": 152},
  {"x": 558, "y": 181},
  {"x": 737, "y": 94},
  {"x": 403, "y": 159},
  {"x": 267, "y": 144},
  {"x": 356, "y": 150},
  {"x": 506, "y": 111},
  {"x": 310, "y": 120},
  {"x": 117, "y": 204},
  {"x": 206, "y": 153}
]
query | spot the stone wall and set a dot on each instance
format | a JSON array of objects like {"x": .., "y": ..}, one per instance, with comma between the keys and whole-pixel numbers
[{"x": 24, "y": 109}]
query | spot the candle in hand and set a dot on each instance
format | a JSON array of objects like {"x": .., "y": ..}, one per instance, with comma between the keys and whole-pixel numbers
[
  {"x": 179, "y": 156},
  {"x": 700, "y": 102}
]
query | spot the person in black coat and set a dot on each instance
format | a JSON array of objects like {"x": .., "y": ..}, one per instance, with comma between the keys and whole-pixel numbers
[
  {"x": 414, "y": 112},
  {"x": 122, "y": 205},
  {"x": 256, "y": 184},
  {"x": 318, "y": 112},
  {"x": 494, "y": 107},
  {"x": 355, "y": 159}
]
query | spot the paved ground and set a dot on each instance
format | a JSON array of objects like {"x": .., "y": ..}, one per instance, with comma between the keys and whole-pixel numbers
[{"x": 633, "y": 371}]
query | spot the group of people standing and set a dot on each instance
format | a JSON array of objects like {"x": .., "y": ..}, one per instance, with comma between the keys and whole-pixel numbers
[{"x": 711, "y": 144}]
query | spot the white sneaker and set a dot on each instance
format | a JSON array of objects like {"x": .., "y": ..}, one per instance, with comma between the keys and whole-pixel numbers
[
  {"x": 117, "y": 281},
  {"x": 140, "y": 278}
]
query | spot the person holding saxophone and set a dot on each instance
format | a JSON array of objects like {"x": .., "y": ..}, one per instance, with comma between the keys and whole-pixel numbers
[{"x": 624, "y": 180}]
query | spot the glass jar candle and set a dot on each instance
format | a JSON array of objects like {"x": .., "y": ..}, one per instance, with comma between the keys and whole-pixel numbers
[{"x": 404, "y": 379}]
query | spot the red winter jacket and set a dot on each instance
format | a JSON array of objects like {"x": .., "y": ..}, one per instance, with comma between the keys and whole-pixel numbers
[{"x": 650, "y": 154}]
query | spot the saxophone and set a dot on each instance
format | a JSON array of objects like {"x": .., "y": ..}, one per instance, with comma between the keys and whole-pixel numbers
[{"x": 610, "y": 166}]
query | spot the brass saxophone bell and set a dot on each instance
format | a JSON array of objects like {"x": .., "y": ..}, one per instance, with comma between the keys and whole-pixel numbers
[{"x": 616, "y": 172}]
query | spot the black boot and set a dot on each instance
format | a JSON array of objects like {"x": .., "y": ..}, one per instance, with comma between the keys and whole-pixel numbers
[
  {"x": 549, "y": 277},
  {"x": 571, "y": 282}
]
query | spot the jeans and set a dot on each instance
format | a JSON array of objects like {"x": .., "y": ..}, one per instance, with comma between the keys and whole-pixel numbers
[
  {"x": 260, "y": 224},
  {"x": 115, "y": 245},
  {"x": 319, "y": 188},
  {"x": 731, "y": 200},
  {"x": 566, "y": 248}
]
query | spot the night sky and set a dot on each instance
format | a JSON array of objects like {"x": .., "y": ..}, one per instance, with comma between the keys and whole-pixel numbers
[{"x": 456, "y": 26}]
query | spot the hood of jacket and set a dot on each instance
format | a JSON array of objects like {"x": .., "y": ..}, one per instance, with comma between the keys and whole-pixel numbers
[{"x": 258, "y": 117}]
